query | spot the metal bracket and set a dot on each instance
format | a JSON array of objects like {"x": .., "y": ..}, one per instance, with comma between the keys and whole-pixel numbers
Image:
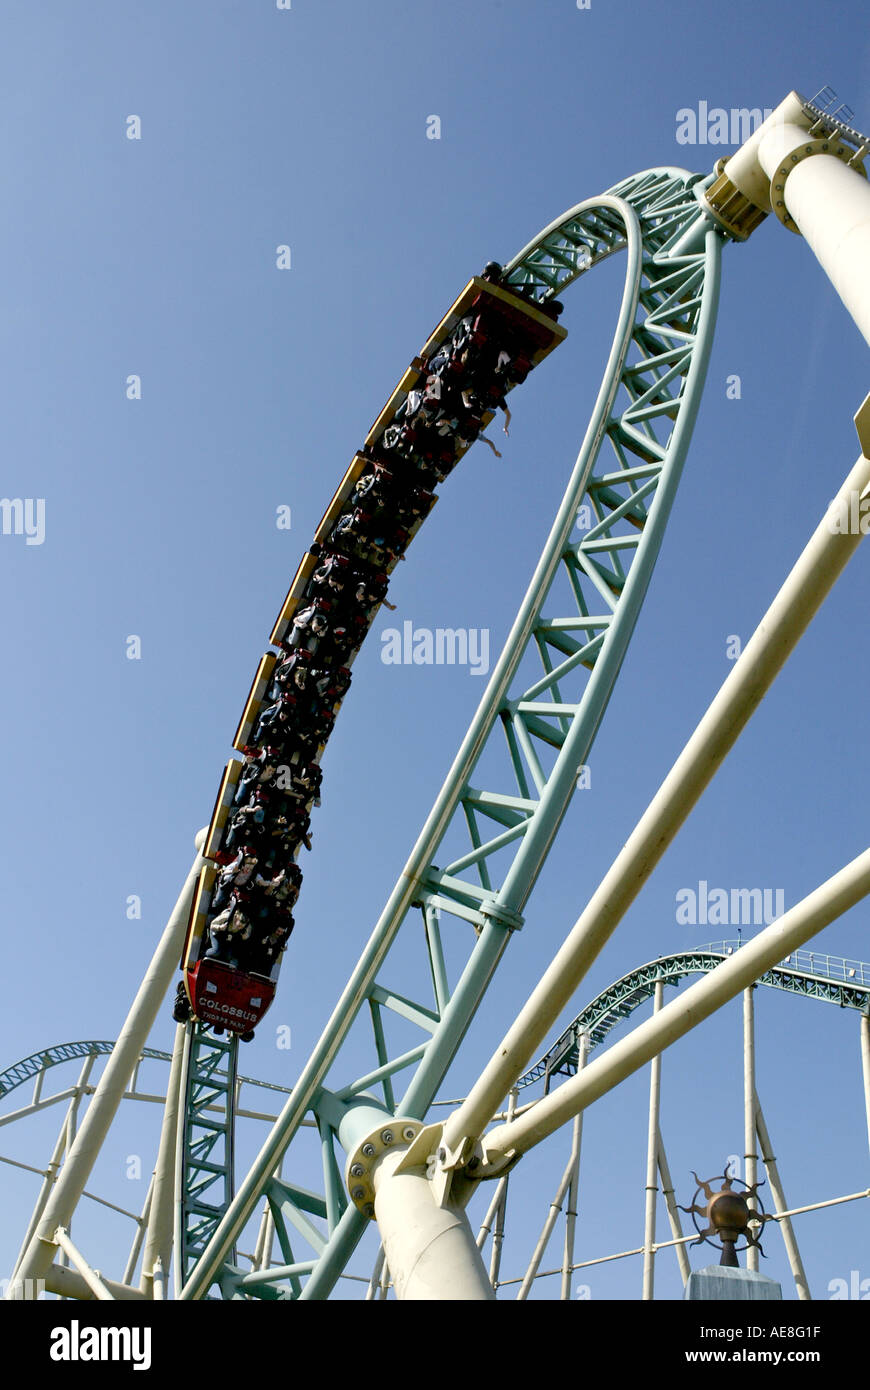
[{"x": 505, "y": 916}]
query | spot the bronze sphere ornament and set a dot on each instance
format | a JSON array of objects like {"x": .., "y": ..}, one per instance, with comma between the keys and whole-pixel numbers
[{"x": 729, "y": 1216}]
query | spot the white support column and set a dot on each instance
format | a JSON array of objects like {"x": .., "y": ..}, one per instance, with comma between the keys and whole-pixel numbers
[
  {"x": 92, "y": 1277},
  {"x": 549, "y": 1223},
  {"x": 750, "y": 1157},
  {"x": 158, "y": 1242},
  {"x": 652, "y": 1146},
  {"x": 865, "y": 1065},
  {"x": 673, "y": 1212},
  {"x": 376, "y": 1274},
  {"x": 109, "y": 1093},
  {"x": 830, "y": 204},
  {"x": 141, "y": 1226},
  {"x": 488, "y": 1221},
  {"x": 498, "y": 1233},
  {"x": 571, "y": 1208},
  {"x": 824, "y": 195},
  {"x": 500, "y": 1210},
  {"x": 781, "y": 1205},
  {"x": 430, "y": 1249},
  {"x": 265, "y": 1239},
  {"x": 70, "y": 1284}
]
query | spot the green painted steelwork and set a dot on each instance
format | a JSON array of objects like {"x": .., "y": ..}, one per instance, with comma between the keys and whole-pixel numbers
[
  {"x": 207, "y": 1141},
  {"x": 809, "y": 973},
  {"x": 574, "y": 625}
]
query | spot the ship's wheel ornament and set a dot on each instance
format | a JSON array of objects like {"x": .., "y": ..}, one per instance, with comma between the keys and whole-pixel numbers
[{"x": 729, "y": 1216}]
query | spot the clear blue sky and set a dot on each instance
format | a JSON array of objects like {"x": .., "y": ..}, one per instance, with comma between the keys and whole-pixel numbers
[{"x": 156, "y": 257}]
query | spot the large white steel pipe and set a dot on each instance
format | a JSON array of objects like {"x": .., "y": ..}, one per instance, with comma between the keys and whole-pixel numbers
[
  {"x": 430, "y": 1249},
  {"x": 830, "y": 203},
  {"x": 824, "y": 557},
  {"x": 744, "y": 168},
  {"x": 68, "y": 1283},
  {"x": 158, "y": 1243},
  {"x": 785, "y": 169},
  {"x": 771, "y": 946},
  {"x": 92, "y": 1278},
  {"x": 112, "y": 1084}
]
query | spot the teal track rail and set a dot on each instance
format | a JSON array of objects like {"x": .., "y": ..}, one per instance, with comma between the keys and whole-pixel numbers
[{"x": 483, "y": 845}]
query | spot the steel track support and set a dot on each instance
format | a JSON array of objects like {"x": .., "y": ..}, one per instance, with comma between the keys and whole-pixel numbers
[
  {"x": 68, "y": 1283},
  {"x": 204, "y": 1182},
  {"x": 571, "y": 1207},
  {"x": 141, "y": 1225},
  {"x": 158, "y": 1243},
  {"x": 789, "y": 1238},
  {"x": 428, "y": 1246},
  {"x": 496, "y": 1213},
  {"x": 550, "y": 1221},
  {"x": 374, "y": 1282},
  {"x": 652, "y": 1154},
  {"x": 673, "y": 1211},
  {"x": 815, "y": 186},
  {"x": 92, "y": 1277},
  {"x": 865, "y": 1066},
  {"x": 750, "y": 1156}
]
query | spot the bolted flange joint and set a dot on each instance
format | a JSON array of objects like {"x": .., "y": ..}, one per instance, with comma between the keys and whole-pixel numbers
[
  {"x": 359, "y": 1171},
  {"x": 826, "y": 145}
]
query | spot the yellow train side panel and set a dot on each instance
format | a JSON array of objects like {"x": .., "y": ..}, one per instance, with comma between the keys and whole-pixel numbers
[
  {"x": 343, "y": 491},
  {"x": 294, "y": 593},
  {"x": 255, "y": 700},
  {"x": 219, "y": 815},
  {"x": 198, "y": 916}
]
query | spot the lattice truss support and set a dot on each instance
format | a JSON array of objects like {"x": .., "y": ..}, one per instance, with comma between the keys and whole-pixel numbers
[
  {"x": 487, "y": 837},
  {"x": 207, "y": 1139}
]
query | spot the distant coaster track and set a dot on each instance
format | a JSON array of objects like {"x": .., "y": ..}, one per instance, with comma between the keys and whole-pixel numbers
[
  {"x": 540, "y": 724},
  {"x": 812, "y": 974}
]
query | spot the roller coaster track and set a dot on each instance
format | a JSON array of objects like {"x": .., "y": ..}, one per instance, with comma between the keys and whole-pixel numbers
[
  {"x": 482, "y": 846},
  {"x": 34, "y": 1066},
  {"x": 810, "y": 973}
]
